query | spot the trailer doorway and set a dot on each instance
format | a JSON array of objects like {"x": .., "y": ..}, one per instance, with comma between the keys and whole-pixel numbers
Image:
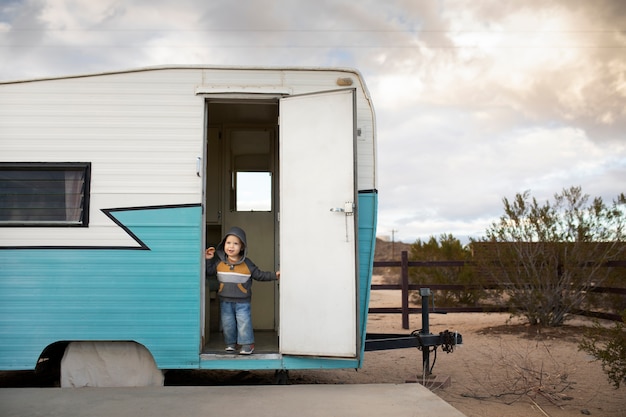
[
  {"x": 241, "y": 190},
  {"x": 311, "y": 161}
]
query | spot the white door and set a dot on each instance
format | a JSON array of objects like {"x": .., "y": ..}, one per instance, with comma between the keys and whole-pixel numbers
[{"x": 317, "y": 225}]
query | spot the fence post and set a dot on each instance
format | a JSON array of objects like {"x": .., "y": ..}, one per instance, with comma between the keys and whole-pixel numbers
[{"x": 405, "y": 289}]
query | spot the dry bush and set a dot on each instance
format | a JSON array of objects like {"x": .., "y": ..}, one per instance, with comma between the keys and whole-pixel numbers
[{"x": 525, "y": 370}]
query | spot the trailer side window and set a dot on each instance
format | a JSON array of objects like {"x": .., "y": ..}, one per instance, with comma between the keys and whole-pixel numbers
[{"x": 44, "y": 194}]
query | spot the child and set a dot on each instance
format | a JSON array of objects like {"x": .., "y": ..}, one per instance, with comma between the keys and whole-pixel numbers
[{"x": 235, "y": 273}]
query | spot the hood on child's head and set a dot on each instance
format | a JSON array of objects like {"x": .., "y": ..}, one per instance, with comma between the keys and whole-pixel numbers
[{"x": 235, "y": 231}]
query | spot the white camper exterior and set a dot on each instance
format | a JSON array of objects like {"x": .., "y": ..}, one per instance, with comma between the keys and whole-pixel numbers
[{"x": 113, "y": 184}]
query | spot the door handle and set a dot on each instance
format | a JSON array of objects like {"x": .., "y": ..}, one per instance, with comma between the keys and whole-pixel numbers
[{"x": 348, "y": 208}]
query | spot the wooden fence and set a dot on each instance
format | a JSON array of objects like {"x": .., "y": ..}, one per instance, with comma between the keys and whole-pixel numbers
[{"x": 406, "y": 287}]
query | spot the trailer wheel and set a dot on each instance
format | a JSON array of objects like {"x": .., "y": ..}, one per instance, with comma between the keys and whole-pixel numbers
[
  {"x": 109, "y": 364},
  {"x": 48, "y": 367}
]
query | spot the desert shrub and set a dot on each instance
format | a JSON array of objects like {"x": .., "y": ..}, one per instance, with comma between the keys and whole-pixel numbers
[
  {"x": 609, "y": 346},
  {"x": 548, "y": 256},
  {"x": 445, "y": 248}
]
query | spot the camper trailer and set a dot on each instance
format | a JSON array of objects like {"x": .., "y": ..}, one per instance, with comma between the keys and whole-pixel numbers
[{"x": 113, "y": 184}]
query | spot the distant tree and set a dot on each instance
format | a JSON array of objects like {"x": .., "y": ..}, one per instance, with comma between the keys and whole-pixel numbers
[
  {"x": 446, "y": 248},
  {"x": 548, "y": 256}
]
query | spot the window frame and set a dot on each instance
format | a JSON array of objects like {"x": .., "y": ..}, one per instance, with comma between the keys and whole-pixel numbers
[{"x": 85, "y": 167}]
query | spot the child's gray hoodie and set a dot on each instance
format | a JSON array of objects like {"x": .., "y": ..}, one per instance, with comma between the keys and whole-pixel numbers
[{"x": 235, "y": 279}]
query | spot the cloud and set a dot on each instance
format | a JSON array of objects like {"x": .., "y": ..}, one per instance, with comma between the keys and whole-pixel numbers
[
  {"x": 529, "y": 96},
  {"x": 475, "y": 100}
]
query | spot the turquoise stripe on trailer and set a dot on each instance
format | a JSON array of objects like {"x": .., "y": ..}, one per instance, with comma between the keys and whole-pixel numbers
[
  {"x": 276, "y": 362},
  {"x": 148, "y": 296},
  {"x": 368, "y": 217}
]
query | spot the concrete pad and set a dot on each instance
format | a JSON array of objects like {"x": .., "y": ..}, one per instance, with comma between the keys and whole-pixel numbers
[{"x": 276, "y": 400}]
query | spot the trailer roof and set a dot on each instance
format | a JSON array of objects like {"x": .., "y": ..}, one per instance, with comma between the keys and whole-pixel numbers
[{"x": 200, "y": 67}]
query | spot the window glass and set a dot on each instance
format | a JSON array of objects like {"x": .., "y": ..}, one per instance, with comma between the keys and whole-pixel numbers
[
  {"x": 254, "y": 191},
  {"x": 44, "y": 194}
]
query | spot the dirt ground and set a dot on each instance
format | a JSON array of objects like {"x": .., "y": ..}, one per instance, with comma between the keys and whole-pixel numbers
[{"x": 503, "y": 368}]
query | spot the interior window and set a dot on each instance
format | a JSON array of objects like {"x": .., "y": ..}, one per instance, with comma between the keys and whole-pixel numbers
[
  {"x": 254, "y": 191},
  {"x": 44, "y": 194},
  {"x": 251, "y": 181}
]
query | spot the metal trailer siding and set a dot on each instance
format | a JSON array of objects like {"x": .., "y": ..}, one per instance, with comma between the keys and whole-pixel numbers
[
  {"x": 149, "y": 296},
  {"x": 142, "y": 131},
  {"x": 368, "y": 215},
  {"x": 171, "y": 93}
]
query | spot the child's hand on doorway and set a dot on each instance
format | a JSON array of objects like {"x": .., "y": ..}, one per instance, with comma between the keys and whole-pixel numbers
[
  {"x": 209, "y": 253},
  {"x": 277, "y": 275}
]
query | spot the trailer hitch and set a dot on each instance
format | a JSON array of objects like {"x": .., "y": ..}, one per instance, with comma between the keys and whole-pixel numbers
[
  {"x": 428, "y": 342},
  {"x": 421, "y": 339}
]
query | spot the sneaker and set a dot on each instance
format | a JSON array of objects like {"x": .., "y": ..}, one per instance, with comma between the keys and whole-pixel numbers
[
  {"x": 230, "y": 348},
  {"x": 246, "y": 350}
]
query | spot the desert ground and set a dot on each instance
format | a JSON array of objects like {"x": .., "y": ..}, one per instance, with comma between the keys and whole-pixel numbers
[{"x": 503, "y": 368}]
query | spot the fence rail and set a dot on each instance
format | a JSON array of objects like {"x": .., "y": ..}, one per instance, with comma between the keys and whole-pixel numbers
[{"x": 406, "y": 287}]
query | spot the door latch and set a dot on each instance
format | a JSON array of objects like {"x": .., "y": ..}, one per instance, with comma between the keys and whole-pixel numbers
[{"x": 348, "y": 208}]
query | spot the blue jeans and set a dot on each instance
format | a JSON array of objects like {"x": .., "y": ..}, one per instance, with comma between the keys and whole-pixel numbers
[{"x": 236, "y": 323}]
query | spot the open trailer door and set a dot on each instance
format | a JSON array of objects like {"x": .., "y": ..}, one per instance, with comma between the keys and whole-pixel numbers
[{"x": 318, "y": 244}]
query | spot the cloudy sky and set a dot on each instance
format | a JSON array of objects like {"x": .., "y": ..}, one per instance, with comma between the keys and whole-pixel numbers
[{"x": 475, "y": 100}]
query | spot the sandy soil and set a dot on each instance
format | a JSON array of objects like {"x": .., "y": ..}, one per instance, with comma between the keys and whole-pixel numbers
[{"x": 504, "y": 368}]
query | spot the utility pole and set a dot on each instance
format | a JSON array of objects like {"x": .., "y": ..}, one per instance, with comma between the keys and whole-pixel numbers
[{"x": 393, "y": 243}]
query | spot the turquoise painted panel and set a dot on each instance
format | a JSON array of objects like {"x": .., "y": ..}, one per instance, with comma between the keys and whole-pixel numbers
[
  {"x": 300, "y": 362},
  {"x": 238, "y": 364},
  {"x": 284, "y": 362},
  {"x": 368, "y": 217},
  {"x": 149, "y": 296}
]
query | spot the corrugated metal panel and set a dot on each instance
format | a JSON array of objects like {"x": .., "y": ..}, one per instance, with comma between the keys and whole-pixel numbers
[
  {"x": 368, "y": 213},
  {"x": 149, "y": 296},
  {"x": 142, "y": 132}
]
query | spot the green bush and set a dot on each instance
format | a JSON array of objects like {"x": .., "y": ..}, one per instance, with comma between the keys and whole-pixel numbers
[
  {"x": 609, "y": 346},
  {"x": 446, "y": 248}
]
